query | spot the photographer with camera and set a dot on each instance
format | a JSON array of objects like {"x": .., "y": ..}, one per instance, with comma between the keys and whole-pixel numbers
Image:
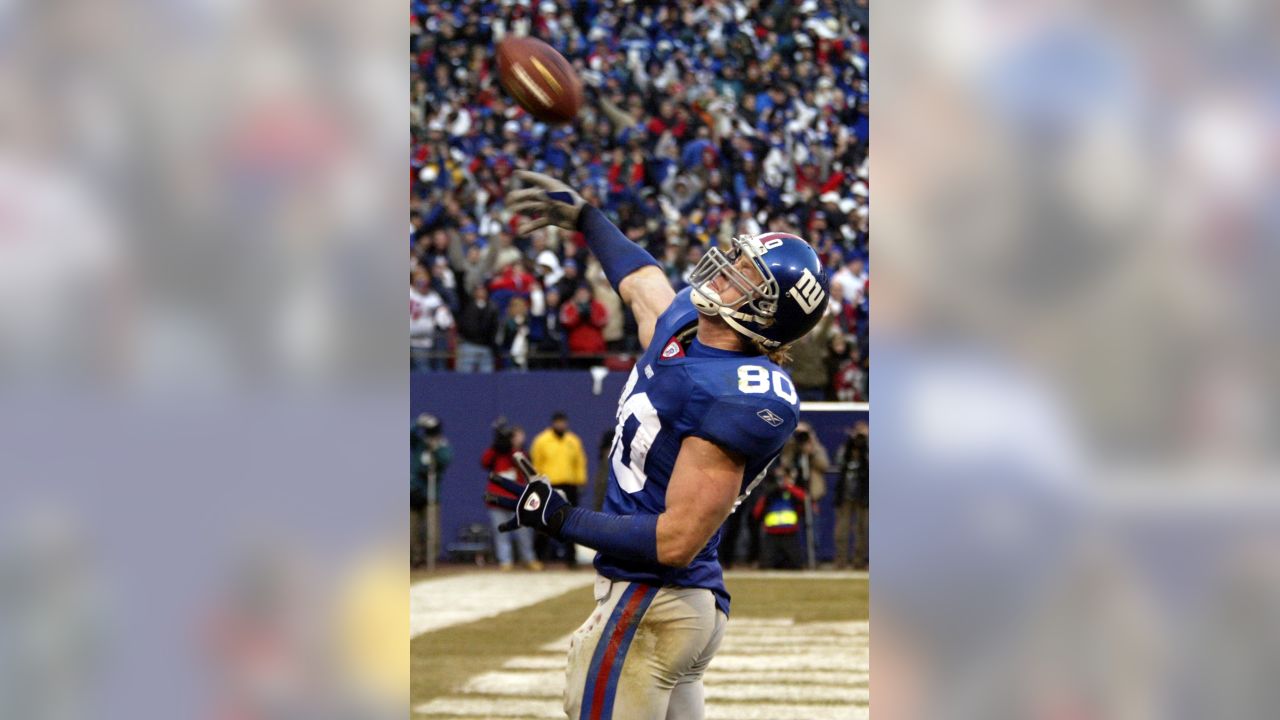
[
  {"x": 808, "y": 461},
  {"x": 778, "y": 511},
  {"x": 583, "y": 319},
  {"x": 429, "y": 456},
  {"x": 499, "y": 459},
  {"x": 853, "y": 497}
]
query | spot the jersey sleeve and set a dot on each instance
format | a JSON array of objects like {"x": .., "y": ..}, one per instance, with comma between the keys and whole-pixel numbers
[
  {"x": 754, "y": 427},
  {"x": 677, "y": 315}
]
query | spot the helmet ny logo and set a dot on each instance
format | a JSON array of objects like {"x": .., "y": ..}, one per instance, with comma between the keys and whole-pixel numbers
[{"x": 807, "y": 292}]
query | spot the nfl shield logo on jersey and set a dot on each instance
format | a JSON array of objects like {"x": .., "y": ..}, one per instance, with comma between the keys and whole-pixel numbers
[{"x": 770, "y": 417}]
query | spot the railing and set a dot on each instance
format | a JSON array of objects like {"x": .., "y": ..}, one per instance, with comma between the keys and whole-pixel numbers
[{"x": 448, "y": 360}]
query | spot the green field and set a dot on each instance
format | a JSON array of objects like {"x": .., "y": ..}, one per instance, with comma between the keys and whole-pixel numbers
[{"x": 445, "y": 660}]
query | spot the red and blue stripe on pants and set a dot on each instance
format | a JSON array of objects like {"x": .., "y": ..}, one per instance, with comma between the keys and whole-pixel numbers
[{"x": 611, "y": 651}]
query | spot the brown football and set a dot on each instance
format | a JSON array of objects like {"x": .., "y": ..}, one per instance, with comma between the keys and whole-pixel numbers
[{"x": 540, "y": 79}]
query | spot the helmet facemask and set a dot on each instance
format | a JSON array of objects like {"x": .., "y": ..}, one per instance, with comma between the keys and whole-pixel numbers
[{"x": 757, "y": 301}]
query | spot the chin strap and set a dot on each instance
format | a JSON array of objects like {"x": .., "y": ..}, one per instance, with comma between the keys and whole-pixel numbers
[
  {"x": 767, "y": 343},
  {"x": 707, "y": 303},
  {"x": 746, "y": 317}
]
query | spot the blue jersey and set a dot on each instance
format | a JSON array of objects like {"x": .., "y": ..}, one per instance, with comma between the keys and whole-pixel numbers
[{"x": 743, "y": 403}]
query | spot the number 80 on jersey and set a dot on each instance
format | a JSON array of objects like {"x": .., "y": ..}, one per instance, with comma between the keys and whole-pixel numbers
[{"x": 754, "y": 379}]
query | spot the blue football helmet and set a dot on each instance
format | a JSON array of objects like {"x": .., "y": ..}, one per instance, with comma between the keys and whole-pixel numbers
[{"x": 788, "y": 300}]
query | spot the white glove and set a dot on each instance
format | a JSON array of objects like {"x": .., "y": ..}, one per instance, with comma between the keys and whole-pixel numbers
[{"x": 556, "y": 203}]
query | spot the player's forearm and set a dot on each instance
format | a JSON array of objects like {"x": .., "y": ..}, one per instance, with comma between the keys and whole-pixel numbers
[
  {"x": 683, "y": 534},
  {"x": 618, "y": 256},
  {"x": 634, "y": 537},
  {"x": 648, "y": 538}
]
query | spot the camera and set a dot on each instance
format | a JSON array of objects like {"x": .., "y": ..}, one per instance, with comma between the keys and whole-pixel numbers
[
  {"x": 427, "y": 427},
  {"x": 503, "y": 433},
  {"x": 802, "y": 436}
]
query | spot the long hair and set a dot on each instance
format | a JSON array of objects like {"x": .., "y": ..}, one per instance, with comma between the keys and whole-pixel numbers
[
  {"x": 777, "y": 356},
  {"x": 751, "y": 345}
]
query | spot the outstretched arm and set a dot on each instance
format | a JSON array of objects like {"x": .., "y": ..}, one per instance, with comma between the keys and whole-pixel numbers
[
  {"x": 704, "y": 485},
  {"x": 633, "y": 272},
  {"x": 648, "y": 293}
]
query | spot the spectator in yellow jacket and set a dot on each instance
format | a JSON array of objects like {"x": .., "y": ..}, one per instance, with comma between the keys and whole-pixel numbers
[{"x": 557, "y": 453}]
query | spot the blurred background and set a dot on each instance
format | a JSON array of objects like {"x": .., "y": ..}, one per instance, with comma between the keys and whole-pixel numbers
[
  {"x": 202, "y": 396},
  {"x": 1075, "y": 430}
]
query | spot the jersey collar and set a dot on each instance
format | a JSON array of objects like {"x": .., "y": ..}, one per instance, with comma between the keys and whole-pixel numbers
[{"x": 697, "y": 349}]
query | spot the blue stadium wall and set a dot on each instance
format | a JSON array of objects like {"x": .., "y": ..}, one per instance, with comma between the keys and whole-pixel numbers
[{"x": 468, "y": 404}]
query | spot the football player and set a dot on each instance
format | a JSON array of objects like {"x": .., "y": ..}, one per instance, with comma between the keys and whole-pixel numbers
[{"x": 703, "y": 414}]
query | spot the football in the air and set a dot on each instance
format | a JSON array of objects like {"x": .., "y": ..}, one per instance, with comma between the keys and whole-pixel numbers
[{"x": 540, "y": 79}]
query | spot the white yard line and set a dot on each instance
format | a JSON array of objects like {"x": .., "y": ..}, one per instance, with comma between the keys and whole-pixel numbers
[
  {"x": 817, "y": 677},
  {"x": 550, "y": 684},
  {"x": 770, "y": 711},
  {"x": 509, "y": 708},
  {"x": 791, "y": 663},
  {"x": 457, "y": 599},
  {"x": 842, "y": 627},
  {"x": 482, "y": 707},
  {"x": 757, "y": 637},
  {"x": 767, "y": 669},
  {"x": 789, "y": 644},
  {"x": 537, "y": 662},
  {"x": 730, "y": 575},
  {"x": 507, "y": 682}
]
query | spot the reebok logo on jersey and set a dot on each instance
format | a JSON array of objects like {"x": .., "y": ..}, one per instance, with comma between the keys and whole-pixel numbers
[
  {"x": 533, "y": 503},
  {"x": 672, "y": 349},
  {"x": 770, "y": 417}
]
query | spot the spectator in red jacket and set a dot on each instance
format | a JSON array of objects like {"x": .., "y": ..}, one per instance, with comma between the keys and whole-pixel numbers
[
  {"x": 499, "y": 459},
  {"x": 583, "y": 320},
  {"x": 514, "y": 277},
  {"x": 512, "y": 281}
]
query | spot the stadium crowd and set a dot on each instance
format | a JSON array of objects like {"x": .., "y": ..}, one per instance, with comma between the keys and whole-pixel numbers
[{"x": 702, "y": 120}]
